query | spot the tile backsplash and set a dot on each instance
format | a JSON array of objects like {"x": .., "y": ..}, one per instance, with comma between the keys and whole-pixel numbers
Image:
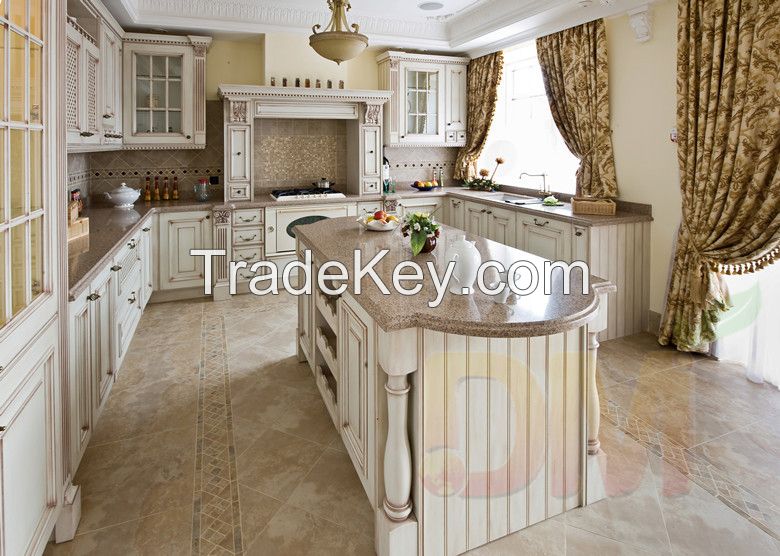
[
  {"x": 296, "y": 153},
  {"x": 95, "y": 173},
  {"x": 410, "y": 164}
]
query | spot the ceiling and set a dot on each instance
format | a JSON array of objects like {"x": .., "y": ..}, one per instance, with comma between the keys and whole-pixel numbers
[{"x": 474, "y": 27}]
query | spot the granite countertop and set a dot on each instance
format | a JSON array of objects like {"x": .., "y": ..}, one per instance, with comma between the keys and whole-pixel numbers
[{"x": 474, "y": 315}]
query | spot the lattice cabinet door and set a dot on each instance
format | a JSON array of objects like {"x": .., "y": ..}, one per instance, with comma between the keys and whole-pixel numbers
[
  {"x": 93, "y": 117},
  {"x": 73, "y": 93}
]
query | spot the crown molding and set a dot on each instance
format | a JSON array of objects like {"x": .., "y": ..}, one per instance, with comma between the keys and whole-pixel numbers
[{"x": 258, "y": 92}]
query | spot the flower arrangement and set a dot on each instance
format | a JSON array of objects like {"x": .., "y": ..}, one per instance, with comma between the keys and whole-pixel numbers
[
  {"x": 423, "y": 230},
  {"x": 483, "y": 182}
]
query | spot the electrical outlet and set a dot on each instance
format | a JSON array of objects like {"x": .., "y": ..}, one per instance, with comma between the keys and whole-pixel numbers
[{"x": 673, "y": 135}]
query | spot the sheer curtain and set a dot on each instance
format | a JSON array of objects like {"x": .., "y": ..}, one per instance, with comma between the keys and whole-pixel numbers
[{"x": 749, "y": 332}]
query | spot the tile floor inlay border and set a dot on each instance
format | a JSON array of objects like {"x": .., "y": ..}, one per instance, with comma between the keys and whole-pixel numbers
[
  {"x": 739, "y": 498},
  {"x": 216, "y": 519}
]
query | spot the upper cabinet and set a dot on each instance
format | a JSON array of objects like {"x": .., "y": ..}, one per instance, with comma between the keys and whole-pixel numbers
[
  {"x": 428, "y": 107},
  {"x": 111, "y": 85},
  {"x": 82, "y": 75},
  {"x": 164, "y": 91}
]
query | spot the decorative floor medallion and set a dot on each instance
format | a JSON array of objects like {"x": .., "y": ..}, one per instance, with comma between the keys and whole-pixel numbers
[{"x": 216, "y": 513}]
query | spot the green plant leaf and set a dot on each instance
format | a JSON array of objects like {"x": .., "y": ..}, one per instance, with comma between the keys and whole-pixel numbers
[{"x": 418, "y": 241}]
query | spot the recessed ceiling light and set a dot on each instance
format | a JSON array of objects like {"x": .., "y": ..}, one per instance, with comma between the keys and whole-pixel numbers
[{"x": 430, "y": 6}]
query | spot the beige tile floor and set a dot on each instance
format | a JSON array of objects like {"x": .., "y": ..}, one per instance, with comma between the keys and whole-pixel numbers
[{"x": 676, "y": 427}]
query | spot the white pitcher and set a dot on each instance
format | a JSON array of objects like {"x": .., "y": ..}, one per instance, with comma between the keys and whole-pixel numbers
[{"x": 467, "y": 260}]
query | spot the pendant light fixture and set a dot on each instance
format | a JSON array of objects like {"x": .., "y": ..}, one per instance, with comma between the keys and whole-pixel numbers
[{"x": 337, "y": 42}]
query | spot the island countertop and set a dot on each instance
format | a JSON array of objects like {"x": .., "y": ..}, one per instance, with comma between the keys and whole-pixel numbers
[{"x": 535, "y": 314}]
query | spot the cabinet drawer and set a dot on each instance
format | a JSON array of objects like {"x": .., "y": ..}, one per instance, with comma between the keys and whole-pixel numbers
[
  {"x": 238, "y": 193},
  {"x": 129, "y": 295},
  {"x": 127, "y": 262},
  {"x": 371, "y": 186},
  {"x": 247, "y": 217},
  {"x": 248, "y": 254},
  {"x": 247, "y": 236}
]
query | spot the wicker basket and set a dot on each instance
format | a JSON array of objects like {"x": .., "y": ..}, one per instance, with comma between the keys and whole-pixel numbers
[{"x": 591, "y": 205}]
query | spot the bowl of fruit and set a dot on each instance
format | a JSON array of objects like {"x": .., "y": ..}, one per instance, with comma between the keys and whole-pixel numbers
[
  {"x": 425, "y": 185},
  {"x": 380, "y": 221}
]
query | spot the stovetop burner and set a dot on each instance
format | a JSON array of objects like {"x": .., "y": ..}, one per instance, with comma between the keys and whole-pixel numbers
[{"x": 305, "y": 193}]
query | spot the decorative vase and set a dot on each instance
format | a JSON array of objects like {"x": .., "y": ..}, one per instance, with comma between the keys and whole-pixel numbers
[
  {"x": 430, "y": 245},
  {"x": 467, "y": 261}
]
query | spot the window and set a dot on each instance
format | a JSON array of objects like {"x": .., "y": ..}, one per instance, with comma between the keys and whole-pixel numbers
[
  {"x": 523, "y": 130},
  {"x": 21, "y": 156}
]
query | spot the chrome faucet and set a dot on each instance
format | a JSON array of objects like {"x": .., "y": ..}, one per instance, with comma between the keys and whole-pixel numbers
[{"x": 543, "y": 191}]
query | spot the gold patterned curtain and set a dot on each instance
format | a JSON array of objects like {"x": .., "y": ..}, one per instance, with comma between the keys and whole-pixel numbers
[
  {"x": 484, "y": 77},
  {"x": 574, "y": 69},
  {"x": 728, "y": 123}
]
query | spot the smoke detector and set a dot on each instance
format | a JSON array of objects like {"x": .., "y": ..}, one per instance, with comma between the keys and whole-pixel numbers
[{"x": 430, "y": 6}]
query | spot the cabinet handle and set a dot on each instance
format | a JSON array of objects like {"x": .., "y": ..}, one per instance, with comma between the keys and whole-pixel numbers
[
  {"x": 370, "y": 152},
  {"x": 208, "y": 217},
  {"x": 2, "y": 429},
  {"x": 238, "y": 153},
  {"x": 131, "y": 245},
  {"x": 578, "y": 233},
  {"x": 2, "y": 368},
  {"x": 116, "y": 268},
  {"x": 106, "y": 116},
  {"x": 248, "y": 238},
  {"x": 271, "y": 229},
  {"x": 93, "y": 296},
  {"x": 248, "y": 219},
  {"x": 542, "y": 224},
  {"x": 189, "y": 136},
  {"x": 85, "y": 428},
  {"x": 146, "y": 230},
  {"x": 249, "y": 258},
  {"x": 86, "y": 134},
  {"x": 483, "y": 210},
  {"x": 132, "y": 300},
  {"x": 490, "y": 212}
]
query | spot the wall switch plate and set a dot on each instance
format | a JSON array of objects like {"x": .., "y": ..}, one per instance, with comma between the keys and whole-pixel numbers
[
  {"x": 214, "y": 180},
  {"x": 673, "y": 135}
]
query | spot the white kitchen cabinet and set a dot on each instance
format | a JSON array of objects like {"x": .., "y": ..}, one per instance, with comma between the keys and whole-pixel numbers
[
  {"x": 110, "y": 85},
  {"x": 357, "y": 361},
  {"x": 80, "y": 375},
  {"x": 82, "y": 89},
  {"x": 164, "y": 99},
  {"x": 240, "y": 150},
  {"x": 455, "y": 103},
  {"x": 580, "y": 247},
  {"x": 502, "y": 225},
  {"x": 369, "y": 207},
  {"x": 456, "y": 213},
  {"x": 475, "y": 220},
  {"x": 428, "y": 107},
  {"x": 281, "y": 221},
  {"x": 421, "y": 204},
  {"x": 179, "y": 233},
  {"x": 545, "y": 237},
  {"x": 101, "y": 317},
  {"x": 30, "y": 443},
  {"x": 146, "y": 254}
]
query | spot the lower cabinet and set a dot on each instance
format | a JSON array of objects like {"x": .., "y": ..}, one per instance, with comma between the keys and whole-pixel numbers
[
  {"x": 490, "y": 222},
  {"x": 455, "y": 214},
  {"x": 421, "y": 204},
  {"x": 147, "y": 260},
  {"x": 474, "y": 219},
  {"x": 179, "y": 233},
  {"x": 101, "y": 316},
  {"x": 356, "y": 402},
  {"x": 545, "y": 237},
  {"x": 80, "y": 376}
]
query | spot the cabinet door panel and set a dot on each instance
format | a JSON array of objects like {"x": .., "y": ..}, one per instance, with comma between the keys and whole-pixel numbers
[
  {"x": 372, "y": 164},
  {"x": 80, "y": 378},
  {"x": 28, "y": 429},
  {"x": 73, "y": 90},
  {"x": 456, "y": 216},
  {"x": 93, "y": 125},
  {"x": 422, "y": 102},
  {"x": 475, "y": 219},
  {"x": 179, "y": 233},
  {"x": 239, "y": 145},
  {"x": 101, "y": 315},
  {"x": 456, "y": 100},
  {"x": 502, "y": 226},
  {"x": 546, "y": 238},
  {"x": 147, "y": 262}
]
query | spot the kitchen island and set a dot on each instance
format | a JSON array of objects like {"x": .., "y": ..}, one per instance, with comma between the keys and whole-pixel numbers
[{"x": 465, "y": 422}]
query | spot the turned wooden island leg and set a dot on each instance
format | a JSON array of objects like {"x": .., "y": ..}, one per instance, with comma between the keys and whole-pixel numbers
[
  {"x": 594, "y": 407},
  {"x": 396, "y": 526}
]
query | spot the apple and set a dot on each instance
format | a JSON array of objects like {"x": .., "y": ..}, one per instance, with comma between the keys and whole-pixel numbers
[{"x": 380, "y": 215}]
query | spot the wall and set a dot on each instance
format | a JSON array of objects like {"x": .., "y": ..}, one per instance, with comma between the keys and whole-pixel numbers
[
  {"x": 643, "y": 104},
  {"x": 239, "y": 62},
  {"x": 296, "y": 153}
]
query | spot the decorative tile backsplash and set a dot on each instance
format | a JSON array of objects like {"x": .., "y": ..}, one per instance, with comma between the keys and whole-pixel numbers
[
  {"x": 410, "y": 164},
  {"x": 296, "y": 153},
  {"x": 95, "y": 173}
]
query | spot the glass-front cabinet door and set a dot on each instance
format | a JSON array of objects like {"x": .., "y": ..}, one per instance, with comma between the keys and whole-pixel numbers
[
  {"x": 161, "y": 107},
  {"x": 422, "y": 118}
]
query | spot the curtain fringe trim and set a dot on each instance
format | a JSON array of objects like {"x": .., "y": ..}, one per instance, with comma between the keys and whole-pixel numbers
[{"x": 749, "y": 267}]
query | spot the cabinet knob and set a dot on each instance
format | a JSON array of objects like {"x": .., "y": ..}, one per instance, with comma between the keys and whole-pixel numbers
[
  {"x": 208, "y": 217},
  {"x": 146, "y": 230},
  {"x": 93, "y": 296},
  {"x": 2, "y": 429},
  {"x": 578, "y": 233},
  {"x": 238, "y": 153},
  {"x": 483, "y": 210},
  {"x": 132, "y": 299},
  {"x": 189, "y": 136},
  {"x": 490, "y": 212},
  {"x": 116, "y": 268},
  {"x": 86, "y": 134},
  {"x": 271, "y": 229},
  {"x": 85, "y": 428},
  {"x": 131, "y": 245}
]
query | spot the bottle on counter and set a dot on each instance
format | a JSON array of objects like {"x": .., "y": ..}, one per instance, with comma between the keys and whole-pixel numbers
[
  {"x": 156, "y": 194},
  {"x": 148, "y": 189},
  {"x": 175, "y": 191},
  {"x": 165, "y": 192}
]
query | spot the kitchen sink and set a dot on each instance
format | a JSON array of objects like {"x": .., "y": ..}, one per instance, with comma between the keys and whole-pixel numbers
[{"x": 519, "y": 199}]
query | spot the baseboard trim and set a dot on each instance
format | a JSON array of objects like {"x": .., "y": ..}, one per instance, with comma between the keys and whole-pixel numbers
[{"x": 654, "y": 323}]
